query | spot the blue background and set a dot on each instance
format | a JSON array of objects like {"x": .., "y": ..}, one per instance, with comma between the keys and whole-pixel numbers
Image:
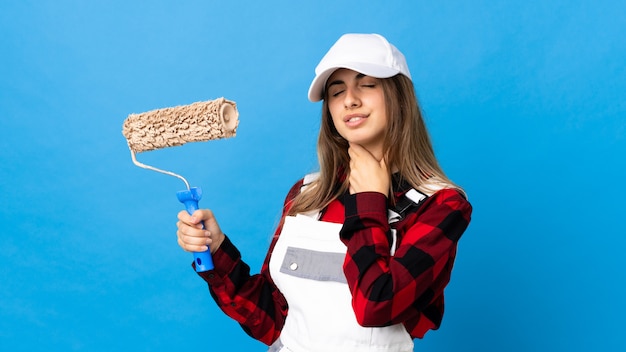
[{"x": 524, "y": 100}]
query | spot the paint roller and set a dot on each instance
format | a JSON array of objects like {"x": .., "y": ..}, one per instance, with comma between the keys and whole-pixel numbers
[{"x": 175, "y": 126}]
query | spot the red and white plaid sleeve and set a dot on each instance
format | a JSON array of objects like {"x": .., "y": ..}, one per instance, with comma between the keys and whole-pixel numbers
[{"x": 407, "y": 287}]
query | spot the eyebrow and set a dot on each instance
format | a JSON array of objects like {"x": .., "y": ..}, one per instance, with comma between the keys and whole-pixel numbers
[{"x": 338, "y": 81}]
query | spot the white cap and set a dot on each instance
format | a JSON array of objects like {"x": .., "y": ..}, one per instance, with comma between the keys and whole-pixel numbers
[{"x": 369, "y": 54}]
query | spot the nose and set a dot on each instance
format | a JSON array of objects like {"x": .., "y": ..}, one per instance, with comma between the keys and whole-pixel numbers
[{"x": 351, "y": 98}]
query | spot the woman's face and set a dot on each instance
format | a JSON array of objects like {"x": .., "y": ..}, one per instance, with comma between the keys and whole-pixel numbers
[{"x": 357, "y": 106}]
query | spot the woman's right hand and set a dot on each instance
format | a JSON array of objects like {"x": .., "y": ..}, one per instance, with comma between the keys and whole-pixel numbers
[{"x": 192, "y": 237}]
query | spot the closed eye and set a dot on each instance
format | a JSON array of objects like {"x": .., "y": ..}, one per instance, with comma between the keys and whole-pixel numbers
[
  {"x": 368, "y": 82},
  {"x": 334, "y": 94}
]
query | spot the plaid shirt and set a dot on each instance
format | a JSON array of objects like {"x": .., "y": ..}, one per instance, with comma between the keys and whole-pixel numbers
[{"x": 404, "y": 288}]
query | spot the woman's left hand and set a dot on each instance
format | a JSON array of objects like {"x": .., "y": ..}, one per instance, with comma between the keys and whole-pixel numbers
[{"x": 366, "y": 173}]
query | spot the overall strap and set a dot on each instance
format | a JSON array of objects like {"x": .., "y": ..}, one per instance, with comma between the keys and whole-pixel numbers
[
  {"x": 306, "y": 181},
  {"x": 308, "y": 178},
  {"x": 407, "y": 203}
]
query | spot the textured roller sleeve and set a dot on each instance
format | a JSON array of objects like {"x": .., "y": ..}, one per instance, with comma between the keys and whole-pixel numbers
[{"x": 174, "y": 126}]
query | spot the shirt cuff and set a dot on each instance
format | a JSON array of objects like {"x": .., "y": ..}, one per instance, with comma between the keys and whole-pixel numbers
[
  {"x": 224, "y": 260},
  {"x": 361, "y": 209}
]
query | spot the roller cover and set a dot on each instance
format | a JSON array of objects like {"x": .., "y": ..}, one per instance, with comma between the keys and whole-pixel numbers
[{"x": 174, "y": 126}]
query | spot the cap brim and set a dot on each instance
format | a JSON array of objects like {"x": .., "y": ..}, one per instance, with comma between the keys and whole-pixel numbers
[{"x": 316, "y": 89}]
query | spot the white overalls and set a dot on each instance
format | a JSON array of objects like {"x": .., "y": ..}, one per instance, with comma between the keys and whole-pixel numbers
[{"x": 307, "y": 267}]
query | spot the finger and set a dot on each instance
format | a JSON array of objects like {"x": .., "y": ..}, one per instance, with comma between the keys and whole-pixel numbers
[
  {"x": 351, "y": 154},
  {"x": 383, "y": 163},
  {"x": 192, "y": 248},
  {"x": 201, "y": 215},
  {"x": 188, "y": 230},
  {"x": 356, "y": 147},
  {"x": 354, "y": 150},
  {"x": 358, "y": 152},
  {"x": 184, "y": 216},
  {"x": 193, "y": 236},
  {"x": 184, "y": 219},
  {"x": 198, "y": 216}
]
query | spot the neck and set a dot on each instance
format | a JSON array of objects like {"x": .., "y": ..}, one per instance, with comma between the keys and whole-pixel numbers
[{"x": 377, "y": 153}]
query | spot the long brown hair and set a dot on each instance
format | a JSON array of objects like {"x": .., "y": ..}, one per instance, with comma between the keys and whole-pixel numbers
[{"x": 407, "y": 148}]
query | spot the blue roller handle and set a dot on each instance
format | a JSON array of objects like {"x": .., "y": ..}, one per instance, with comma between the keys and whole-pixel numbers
[{"x": 190, "y": 198}]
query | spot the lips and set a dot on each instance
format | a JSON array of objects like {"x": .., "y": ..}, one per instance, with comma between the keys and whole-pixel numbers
[{"x": 353, "y": 120}]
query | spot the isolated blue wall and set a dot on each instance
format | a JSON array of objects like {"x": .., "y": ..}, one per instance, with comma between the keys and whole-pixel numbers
[{"x": 524, "y": 100}]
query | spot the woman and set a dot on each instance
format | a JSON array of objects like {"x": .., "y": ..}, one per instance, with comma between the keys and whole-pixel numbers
[{"x": 366, "y": 246}]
